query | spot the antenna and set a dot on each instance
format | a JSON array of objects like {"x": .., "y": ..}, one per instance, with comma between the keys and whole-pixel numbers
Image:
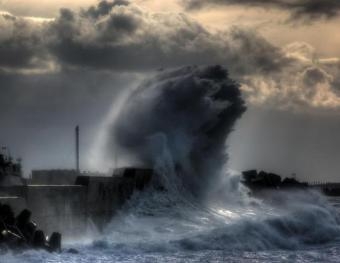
[{"x": 77, "y": 149}]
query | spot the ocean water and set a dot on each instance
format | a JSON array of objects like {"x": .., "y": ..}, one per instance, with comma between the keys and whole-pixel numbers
[{"x": 158, "y": 226}]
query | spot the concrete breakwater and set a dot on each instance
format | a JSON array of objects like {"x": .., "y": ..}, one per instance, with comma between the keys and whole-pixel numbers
[
  {"x": 74, "y": 203},
  {"x": 20, "y": 232},
  {"x": 257, "y": 181}
]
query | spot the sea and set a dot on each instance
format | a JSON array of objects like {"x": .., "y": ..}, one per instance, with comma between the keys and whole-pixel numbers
[{"x": 159, "y": 225}]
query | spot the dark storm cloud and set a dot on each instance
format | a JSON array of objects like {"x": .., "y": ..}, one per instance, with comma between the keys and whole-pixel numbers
[
  {"x": 129, "y": 38},
  {"x": 121, "y": 36},
  {"x": 122, "y": 23},
  {"x": 306, "y": 84},
  {"x": 299, "y": 9},
  {"x": 20, "y": 43},
  {"x": 314, "y": 75},
  {"x": 103, "y": 8}
]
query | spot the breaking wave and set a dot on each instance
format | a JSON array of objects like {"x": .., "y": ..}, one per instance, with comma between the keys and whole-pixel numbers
[{"x": 178, "y": 123}]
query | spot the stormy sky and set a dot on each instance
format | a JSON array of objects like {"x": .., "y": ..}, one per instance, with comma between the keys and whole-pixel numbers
[{"x": 64, "y": 63}]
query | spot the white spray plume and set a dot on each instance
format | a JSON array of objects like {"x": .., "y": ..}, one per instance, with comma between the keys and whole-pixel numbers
[{"x": 181, "y": 118}]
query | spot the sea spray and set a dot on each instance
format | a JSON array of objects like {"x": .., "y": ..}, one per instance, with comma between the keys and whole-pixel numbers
[{"x": 177, "y": 122}]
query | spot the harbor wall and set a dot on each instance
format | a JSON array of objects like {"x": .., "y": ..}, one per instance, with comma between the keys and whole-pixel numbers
[
  {"x": 58, "y": 208},
  {"x": 72, "y": 209}
]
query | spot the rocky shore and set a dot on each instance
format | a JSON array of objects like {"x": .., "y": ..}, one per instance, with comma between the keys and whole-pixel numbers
[
  {"x": 20, "y": 232},
  {"x": 263, "y": 180}
]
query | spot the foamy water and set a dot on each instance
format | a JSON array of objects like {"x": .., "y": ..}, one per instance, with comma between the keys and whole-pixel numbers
[{"x": 155, "y": 227}]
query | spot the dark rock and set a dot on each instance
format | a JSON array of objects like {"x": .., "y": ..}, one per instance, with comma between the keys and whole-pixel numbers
[
  {"x": 275, "y": 180},
  {"x": 55, "y": 242},
  {"x": 23, "y": 224},
  {"x": 20, "y": 232},
  {"x": 39, "y": 239},
  {"x": 29, "y": 231},
  {"x": 249, "y": 175},
  {"x": 264, "y": 180},
  {"x": 269, "y": 179},
  {"x": 24, "y": 217},
  {"x": 10, "y": 238},
  {"x": 7, "y": 215}
]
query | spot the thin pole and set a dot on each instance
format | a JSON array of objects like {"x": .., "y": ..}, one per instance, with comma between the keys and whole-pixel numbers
[{"x": 77, "y": 148}]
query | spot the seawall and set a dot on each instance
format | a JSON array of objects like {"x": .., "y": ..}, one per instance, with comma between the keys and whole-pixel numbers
[{"x": 72, "y": 209}]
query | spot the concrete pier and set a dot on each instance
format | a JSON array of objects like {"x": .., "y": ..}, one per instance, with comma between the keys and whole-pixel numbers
[
  {"x": 60, "y": 208},
  {"x": 67, "y": 208}
]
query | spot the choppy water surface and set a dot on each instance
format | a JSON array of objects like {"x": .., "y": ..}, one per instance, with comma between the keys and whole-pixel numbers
[{"x": 156, "y": 227}]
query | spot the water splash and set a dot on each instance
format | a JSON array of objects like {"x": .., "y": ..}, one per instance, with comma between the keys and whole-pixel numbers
[{"x": 177, "y": 122}]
